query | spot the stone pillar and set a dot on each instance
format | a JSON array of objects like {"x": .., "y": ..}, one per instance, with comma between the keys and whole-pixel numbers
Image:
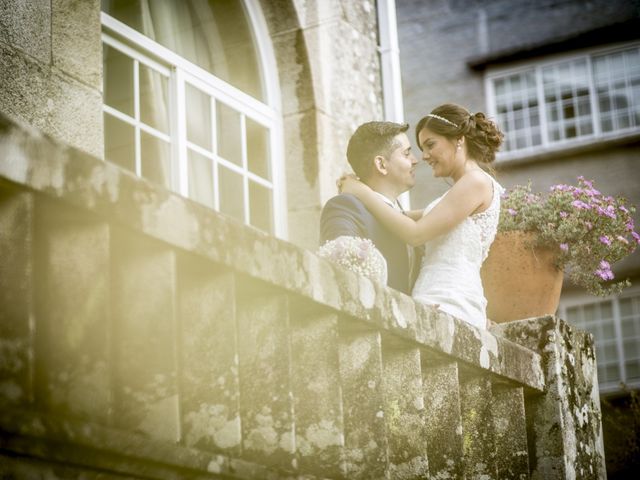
[
  {"x": 444, "y": 418},
  {"x": 564, "y": 423},
  {"x": 366, "y": 441},
  {"x": 405, "y": 413},
  {"x": 315, "y": 378},
  {"x": 479, "y": 452}
]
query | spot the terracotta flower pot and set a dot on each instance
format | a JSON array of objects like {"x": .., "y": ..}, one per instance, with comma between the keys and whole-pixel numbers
[{"x": 518, "y": 280}]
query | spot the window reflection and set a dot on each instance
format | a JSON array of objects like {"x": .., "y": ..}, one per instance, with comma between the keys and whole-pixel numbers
[
  {"x": 581, "y": 97},
  {"x": 213, "y": 34}
]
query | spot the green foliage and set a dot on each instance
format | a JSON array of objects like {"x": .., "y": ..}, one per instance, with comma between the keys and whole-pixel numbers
[{"x": 589, "y": 230}]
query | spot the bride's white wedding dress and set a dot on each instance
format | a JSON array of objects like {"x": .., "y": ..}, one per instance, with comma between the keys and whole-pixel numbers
[{"x": 450, "y": 269}]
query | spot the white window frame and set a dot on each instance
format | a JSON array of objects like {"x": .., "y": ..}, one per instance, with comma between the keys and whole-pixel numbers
[
  {"x": 581, "y": 300},
  {"x": 537, "y": 65},
  {"x": 181, "y": 71}
]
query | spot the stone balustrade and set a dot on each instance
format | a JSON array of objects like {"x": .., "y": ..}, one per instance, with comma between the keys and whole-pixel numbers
[{"x": 144, "y": 336}]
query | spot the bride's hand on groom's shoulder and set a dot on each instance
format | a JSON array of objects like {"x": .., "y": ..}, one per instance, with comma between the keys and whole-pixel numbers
[{"x": 349, "y": 183}]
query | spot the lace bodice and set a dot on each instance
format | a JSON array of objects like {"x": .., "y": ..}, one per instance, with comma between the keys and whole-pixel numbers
[{"x": 450, "y": 269}]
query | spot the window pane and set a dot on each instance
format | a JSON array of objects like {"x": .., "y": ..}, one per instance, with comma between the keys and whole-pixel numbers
[
  {"x": 613, "y": 76},
  {"x": 261, "y": 207},
  {"x": 119, "y": 143},
  {"x": 198, "y": 110},
  {"x": 258, "y": 149},
  {"x": 228, "y": 133},
  {"x": 154, "y": 99},
  {"x": 118, "y": 80},
  {"x": 610, "y": 373},
  {"x": 231, "y": 189},
  {"x": 630, "y": 347},
  {"x": 201, "y": 187},
  {"x": 518, "y": 108},
  {"x": 214, "y": 34},
  {"x": 633, "y": 370},
  {"x": 156, "y": 159}
]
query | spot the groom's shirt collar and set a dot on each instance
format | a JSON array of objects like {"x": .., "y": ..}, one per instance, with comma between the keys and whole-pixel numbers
[{"x": 388, "y": 201}]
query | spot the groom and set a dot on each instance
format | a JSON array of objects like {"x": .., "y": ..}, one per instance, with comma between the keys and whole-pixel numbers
[{"x": 380, "y": 155}]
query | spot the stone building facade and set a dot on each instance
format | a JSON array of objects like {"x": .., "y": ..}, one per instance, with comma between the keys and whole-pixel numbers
[
  {"x": 143, "y": 334},
  {"x": 319, "y": 65}
]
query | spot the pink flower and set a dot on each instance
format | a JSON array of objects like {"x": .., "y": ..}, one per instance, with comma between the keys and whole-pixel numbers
[
  {"x": 636, "y": 237},
  {"x": 564, "y": 247},
  {"x": 604, "y": 272},
  {"x": 512, "y": 212},
  {"x": 605, "y": 240},
  {"x": 588, "y": 183},
  {"x": 580, "y": 205},
  {"x": 624, "y": 209},
  {"x": 564, "y": 214}
]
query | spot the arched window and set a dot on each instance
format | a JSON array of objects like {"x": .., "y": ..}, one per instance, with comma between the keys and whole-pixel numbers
[{"x": 191, "y": 102}]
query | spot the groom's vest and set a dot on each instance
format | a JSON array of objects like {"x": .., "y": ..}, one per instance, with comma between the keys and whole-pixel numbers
[{"x": 346, "y": 215}]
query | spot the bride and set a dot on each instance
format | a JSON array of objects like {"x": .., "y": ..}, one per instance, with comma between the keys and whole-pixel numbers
[{"x": 457, "y": 228}]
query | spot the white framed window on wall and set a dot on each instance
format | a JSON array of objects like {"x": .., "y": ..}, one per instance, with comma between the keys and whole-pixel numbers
[
  {"x": 615, "y": 325},
  {"x": 191, "y": 101},
  {"x": 566, "y": 100}
]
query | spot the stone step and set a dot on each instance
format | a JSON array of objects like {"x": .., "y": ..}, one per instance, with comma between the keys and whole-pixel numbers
[{"x": 144, "y": 335}]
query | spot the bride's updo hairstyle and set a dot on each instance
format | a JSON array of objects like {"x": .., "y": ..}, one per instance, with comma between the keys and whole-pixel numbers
[{"x": 483, "y": 137}]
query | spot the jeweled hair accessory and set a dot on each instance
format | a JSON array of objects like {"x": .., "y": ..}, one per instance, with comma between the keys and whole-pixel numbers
[{"x": 433, "y": 115}]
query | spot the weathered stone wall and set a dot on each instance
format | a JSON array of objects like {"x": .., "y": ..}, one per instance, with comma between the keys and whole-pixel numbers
[
  {"x": 51, "y": 69},
  {"x": 329, "y": 72},
  {"x": 143, "y": 335},
  {"x": 328, "y": 69}
]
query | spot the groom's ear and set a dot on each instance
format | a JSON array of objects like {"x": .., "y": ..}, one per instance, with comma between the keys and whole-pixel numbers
[{"x": 380, "y": 164}]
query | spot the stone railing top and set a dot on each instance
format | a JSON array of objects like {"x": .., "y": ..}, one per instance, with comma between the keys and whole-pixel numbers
[{"x": 30, "y": 159}]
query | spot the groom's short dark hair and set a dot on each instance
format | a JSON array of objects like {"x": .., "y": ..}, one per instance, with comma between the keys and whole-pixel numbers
[{"x": 369, "y": 140}]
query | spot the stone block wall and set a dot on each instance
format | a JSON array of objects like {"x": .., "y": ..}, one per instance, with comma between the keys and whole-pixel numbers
[
  {"x": 330, "y": 80},
  {"x": 145, "y": 336},
  {"x": 51, "y": 69}
]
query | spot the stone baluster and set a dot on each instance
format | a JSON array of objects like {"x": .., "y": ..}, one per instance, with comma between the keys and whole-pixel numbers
[
  {"x": 478, "y": 439},
  {"x": 315, "y": 372},
  {"x": 144, "y": 334},
  {"x": 512, "y": 456},
  {"x": 16, "y": 296},
  {"x": 366, "y": 444},
  {"x": 404, "y": 413},
  {"x": 72, "y": 312},
  {"x": 209, "y": 388},
  {"x": 266, "y": 403},
  {"x": 443, "y": 416}
]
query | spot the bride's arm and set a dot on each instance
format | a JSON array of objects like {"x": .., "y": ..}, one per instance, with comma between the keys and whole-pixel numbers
[
  {"x": 414, "y": 214},
  {"x": 466, "y": 196}
]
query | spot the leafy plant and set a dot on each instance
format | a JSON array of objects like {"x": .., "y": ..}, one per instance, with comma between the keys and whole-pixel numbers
[{"x": 590, "y": 231}]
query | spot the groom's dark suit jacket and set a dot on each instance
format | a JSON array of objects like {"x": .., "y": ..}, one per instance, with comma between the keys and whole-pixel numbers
[{"x": 344, "y": 214}]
